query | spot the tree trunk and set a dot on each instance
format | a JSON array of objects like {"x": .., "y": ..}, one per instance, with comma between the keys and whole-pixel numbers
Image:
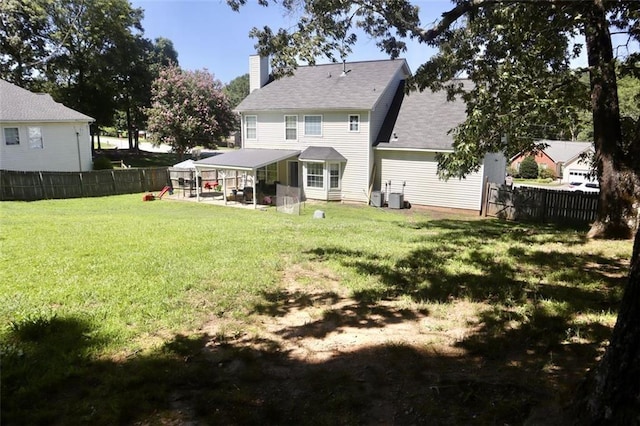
[
  {"x": 615, "y": 205},
  {"x": 129, "y": 132},
  {"x": 611, "y": 393}
]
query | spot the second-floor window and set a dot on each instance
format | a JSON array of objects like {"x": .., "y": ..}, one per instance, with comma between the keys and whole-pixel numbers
[
  {"x": 251, "y": 126},
  {"x": 354, "y": 123},
  {"x": 313, "y": 125},
  {"x": 291, "y": 127}
]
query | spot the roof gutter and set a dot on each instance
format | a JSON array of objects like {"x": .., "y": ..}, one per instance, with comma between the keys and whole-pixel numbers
[{"x": 384, "y": 148}]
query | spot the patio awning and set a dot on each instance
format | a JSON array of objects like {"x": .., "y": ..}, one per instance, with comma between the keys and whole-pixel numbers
[
  {"x": 321, "y": 153},
  {"x": 246, "y": 159}
]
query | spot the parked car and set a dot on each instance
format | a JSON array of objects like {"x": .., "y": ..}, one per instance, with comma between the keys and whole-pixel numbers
[{"x": 584, "y": 187}]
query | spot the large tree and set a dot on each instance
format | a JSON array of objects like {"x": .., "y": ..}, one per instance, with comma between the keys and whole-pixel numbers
[
  {"x": 140, "y": 62},
  {"x": 24, "y": 26},
  {"x": 189, "y": 109},
  {"x": 517, "y": 53},
  {"x": 237, "y": 89}
]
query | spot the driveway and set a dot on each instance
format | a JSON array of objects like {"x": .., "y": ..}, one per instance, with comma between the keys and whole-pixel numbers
[{"x": 144, "y": 146}]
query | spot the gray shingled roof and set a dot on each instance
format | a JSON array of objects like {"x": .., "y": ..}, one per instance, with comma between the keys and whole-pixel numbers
[
  {"x": 18, "y": 104},
  {"x": 423, "y": 121},
  {"x": 324, "y": 87},
  {"x": 563, "y": 151},
  {"x": 321, "y": 153},
  {"x": 246, "y": 159}
]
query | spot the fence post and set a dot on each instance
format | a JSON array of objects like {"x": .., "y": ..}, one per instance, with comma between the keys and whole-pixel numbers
[
  {"x": 113, "y": 180},
  {"x": 41, "y": 179},
  {"x": 484, "y": 199},
  {"x": 81, "y": 185}
]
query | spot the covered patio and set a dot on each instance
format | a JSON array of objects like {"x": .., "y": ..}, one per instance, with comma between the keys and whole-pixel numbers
[{"x": 247, "y": 161}]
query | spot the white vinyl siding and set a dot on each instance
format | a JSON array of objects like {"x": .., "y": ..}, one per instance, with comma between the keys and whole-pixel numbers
[
  {"x": 291, "y": 127},
  {"x": 423, "y": 187},
  {"x": 65, "y": 147},
  {"x": 313, "y": 125},
  {"x": 251, "y": 127},
  {"x": 353, "y": 146}
]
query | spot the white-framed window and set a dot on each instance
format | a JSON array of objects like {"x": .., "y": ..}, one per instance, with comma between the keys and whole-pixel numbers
[
  {"x": 11, "y": 136},
  {"x": 291, "y": 127},
  {"x": 313, "y": 125},
  {"x": 35, "y": 138},
  {"x": 315, "y": 175},
  {"x": 354, "y": 123},
  {"x": 251, "y": 127},
  {"x": 268, "y": 174},
  {"x": 334, "y": 175}
]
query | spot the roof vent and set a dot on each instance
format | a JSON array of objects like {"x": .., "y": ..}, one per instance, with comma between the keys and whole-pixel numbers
[{"x": 345, "y": 71}]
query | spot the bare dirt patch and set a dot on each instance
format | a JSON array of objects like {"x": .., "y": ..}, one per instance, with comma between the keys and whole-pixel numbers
[{"x": 312, "y": 354}]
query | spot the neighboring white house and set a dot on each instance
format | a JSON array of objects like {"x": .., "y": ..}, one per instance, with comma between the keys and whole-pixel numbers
[
  {"x": 330, "y": 130},
  {"x": 39, "y": 134}
]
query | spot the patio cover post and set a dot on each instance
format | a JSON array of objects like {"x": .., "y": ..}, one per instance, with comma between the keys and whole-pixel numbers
[
  {"x": 197, "y": 186},
  {"x": 224, "y": 187},
  {"x": 255, "y": 189}
]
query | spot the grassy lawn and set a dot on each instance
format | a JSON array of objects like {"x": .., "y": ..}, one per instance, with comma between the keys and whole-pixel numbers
[
  {"x": 118, "y": 311},
  {"x": 538, "y": 182}
]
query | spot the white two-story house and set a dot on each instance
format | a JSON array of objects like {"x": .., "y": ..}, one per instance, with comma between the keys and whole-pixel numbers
[{"x": 343, "y": 131}]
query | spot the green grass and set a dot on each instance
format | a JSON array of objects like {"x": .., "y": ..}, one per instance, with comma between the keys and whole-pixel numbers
[{"x": 103, "y": 299}]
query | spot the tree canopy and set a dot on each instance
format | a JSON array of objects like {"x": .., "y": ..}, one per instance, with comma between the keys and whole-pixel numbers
[
  {"x": 189, "y": 109},
  {"x": 237, "y": 89}
]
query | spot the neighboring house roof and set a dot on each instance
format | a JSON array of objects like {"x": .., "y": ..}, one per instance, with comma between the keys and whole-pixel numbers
[
  {"x": 246, "y": 159},
  {"x": 327, "y": 87},
  {"x": 18, "y": 104},
  {"x": 422, "y": 120},
  {"x": 565, "y": 151},
  {"x": 321, "y": 153}
]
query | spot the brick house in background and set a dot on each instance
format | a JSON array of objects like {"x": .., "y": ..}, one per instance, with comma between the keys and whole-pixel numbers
[{"x": 564, "y": 158}]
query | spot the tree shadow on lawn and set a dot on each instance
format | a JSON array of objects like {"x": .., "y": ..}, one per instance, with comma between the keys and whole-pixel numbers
[
  {"x": 198, "y": 380},
  {"x": 542, "y": 304}
]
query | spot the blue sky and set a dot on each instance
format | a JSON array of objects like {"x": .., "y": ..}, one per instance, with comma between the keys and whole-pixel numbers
[{"x": 208, "y": 34}]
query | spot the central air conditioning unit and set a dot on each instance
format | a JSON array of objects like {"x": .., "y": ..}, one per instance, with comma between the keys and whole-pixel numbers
[
  {"x": 377, "y": 198},
  {"x": 396, "y": 200}
]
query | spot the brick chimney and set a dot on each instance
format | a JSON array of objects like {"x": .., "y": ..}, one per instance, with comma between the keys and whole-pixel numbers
[{"x": 258, "y": 72}]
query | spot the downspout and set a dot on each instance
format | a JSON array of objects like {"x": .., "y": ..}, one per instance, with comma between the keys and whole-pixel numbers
[{"x": 79, "y": 156}]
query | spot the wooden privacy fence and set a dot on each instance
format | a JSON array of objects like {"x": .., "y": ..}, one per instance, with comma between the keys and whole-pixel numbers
[
  {"x": 539, "y": 204},
  {"x": 30, "y": 186}
]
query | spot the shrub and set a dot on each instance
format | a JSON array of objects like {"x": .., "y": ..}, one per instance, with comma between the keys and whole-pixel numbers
[
  {"x": 529, "y": 168},
  {"x": 102, "y": 163},
  {"x": 547, "y": 174},
  {"x": 512, "y": 171}
]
